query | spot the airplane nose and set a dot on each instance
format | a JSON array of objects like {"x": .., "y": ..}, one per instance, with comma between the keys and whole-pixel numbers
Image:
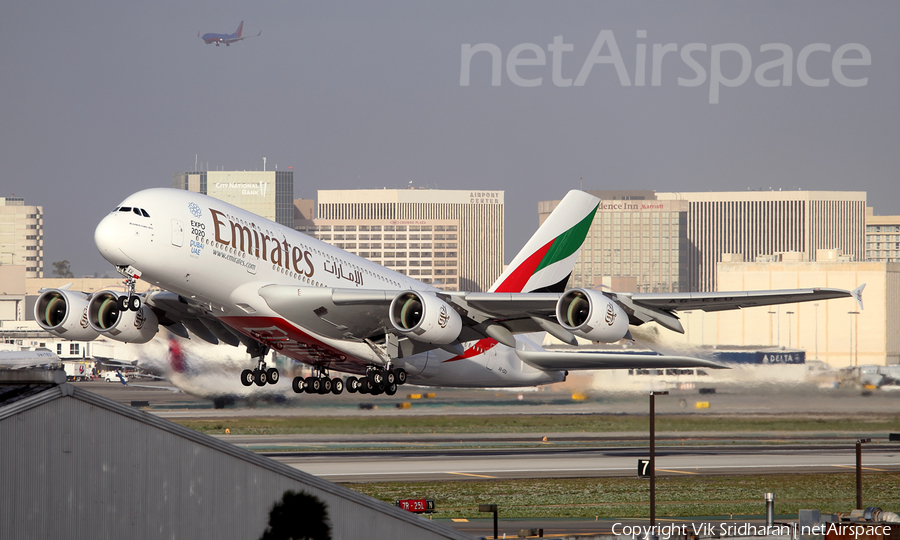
[{"x": 109, "y": 237}]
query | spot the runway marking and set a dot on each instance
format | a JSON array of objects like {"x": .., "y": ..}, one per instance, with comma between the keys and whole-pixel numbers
[
  {"x": 672, "y": 470},
  {"x": 459, "y": 520},
  {"x": 470, "y": 474},
  {"x": 863, "y": 468}
]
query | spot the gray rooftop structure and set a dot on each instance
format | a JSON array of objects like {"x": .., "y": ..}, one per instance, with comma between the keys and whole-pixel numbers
[{"x": 76, "y": 465}]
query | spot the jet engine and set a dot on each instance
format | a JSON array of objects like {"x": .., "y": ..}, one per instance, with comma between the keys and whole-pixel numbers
[
  {"x": 64, "y": 313},
  {"x": 425, "y": 317},
  {"x": 104, "y": 316},
  {"x": 591, "y": 315}
]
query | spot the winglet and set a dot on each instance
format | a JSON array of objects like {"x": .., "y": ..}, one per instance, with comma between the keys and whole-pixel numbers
[{"x": 857, "y": 295}]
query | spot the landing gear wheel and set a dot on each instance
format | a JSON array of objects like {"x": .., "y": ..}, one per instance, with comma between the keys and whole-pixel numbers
[
  {"x": 378, "y": 388},
  {"x": 326, "y": 385},
  {"x": 352, "y": 385},
  {"x": 298, "y": 385},
  {"x": 272, "y": 375},
  {"x": 401, "y": 375},
  {"x": 365, "y": 386},
  {"x": 376, "y": 377},
  {"x": 247, "y": 377},
  {"x": 337, "y": 386},
  {"x": 312, "y": 385},
  {"x": 260, "y": 377},
  {"x": 390, "y": 377},
  {"x": 391, "y": 389},
  {"x": 134, "y": 303},
  {"x": 122, "y": 303}
]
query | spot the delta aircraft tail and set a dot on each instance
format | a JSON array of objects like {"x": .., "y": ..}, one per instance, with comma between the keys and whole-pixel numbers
[{"x": 547, "y": 260}]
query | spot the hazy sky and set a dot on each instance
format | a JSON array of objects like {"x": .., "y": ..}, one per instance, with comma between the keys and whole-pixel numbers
[{"x": 103, "y": 98}]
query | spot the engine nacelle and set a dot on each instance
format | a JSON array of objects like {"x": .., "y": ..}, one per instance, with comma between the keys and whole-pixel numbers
[
  {"x": 591, "y": 315},
  {"x": 64, "y": 313},
  {"x": 425, "y": 317},
  {"x": 104, "y": 317}
]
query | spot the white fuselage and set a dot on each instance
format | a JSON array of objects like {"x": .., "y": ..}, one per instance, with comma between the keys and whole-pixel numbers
[{"x": 220, "y": 256}]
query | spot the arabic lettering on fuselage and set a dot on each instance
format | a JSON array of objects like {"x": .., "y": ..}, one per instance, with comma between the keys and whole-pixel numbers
[
  {"x": 338, "y": 270},
  {"x": 256, "y": 243}
]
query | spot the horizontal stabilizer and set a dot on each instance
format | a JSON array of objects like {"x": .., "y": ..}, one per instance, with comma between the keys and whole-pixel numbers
[{"x": 568, "y": 360}]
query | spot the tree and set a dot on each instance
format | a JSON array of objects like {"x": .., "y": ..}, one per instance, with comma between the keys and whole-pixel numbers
[
  {"x": 61, "y": 269},
  {"x": 299, "y": 516}
]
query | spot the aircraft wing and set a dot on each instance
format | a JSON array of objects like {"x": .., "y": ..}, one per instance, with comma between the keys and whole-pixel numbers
[
  {"x": 178, "y": 314},
  {"x": 571, "y": 360},
  {"x": 358, "y": 314},
  {"x": 719, "y": 301},
  {"x": 646, "y": 307}
]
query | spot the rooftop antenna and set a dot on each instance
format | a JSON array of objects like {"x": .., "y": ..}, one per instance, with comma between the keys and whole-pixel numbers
[
  {"x": 581, "y": 183},
  {"x": 195, "y": 162},
  {"x": 264, "y": 163}
]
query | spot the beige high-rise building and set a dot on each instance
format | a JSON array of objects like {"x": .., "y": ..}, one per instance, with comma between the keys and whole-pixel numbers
[
  {"x": 269, "y": 194},
  {"x": 882, "y": 237},
  {"x": 834, "y": 331},
  {"x": 753, "y": 224},
  {"x": 450, "y": 238},
  {"x": 22, "y": 235}
]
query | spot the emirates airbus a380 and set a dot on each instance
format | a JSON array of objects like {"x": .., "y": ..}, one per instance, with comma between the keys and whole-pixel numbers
[{"x": 230, "y": 276}]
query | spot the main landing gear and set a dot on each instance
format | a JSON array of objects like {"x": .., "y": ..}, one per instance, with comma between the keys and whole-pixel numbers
[
  {"x": 320, "y": 383},
  {"x": 261, "y": 376},
  {"x": 377, "y": 381}
]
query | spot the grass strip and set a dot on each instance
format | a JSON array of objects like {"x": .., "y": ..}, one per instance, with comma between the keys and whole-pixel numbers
[
  {"x": 537, "y": 423},
  {"x": 676, "y": 496}
]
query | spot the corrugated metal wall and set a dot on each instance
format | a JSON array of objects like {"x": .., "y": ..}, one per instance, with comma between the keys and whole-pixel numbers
[{"x": 75, "y": 469}]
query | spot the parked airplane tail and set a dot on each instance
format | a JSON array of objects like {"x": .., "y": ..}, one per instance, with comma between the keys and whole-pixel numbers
[
  {"x": 547, "y": 260},
  {"x": 240, "y": 29}
]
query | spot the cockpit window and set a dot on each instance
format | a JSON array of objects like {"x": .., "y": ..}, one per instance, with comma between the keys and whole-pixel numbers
[
  {"x": 136, "y": 211},
  {"x": 125, "y": 209},
  {"x": 144, "y": 213}
]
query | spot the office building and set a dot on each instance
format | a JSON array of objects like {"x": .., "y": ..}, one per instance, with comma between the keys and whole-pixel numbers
[
  {"x": 635, "y": 243},
  {"x": 753, "y": 224},
  {"x": 269, "y": 194},
  {"x": 450, "y": 238},
  {"x": 22, "y": 235},
  {"x": 882, "y": 237},
  {"x": 836, "y": 332}
]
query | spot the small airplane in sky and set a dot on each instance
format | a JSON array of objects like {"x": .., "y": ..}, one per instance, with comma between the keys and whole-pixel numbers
[{"x": 227, "y": 39}]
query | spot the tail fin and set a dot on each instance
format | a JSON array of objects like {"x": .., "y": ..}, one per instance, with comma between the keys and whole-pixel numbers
[
  {"x": 546, "y": 261},
  {"x": 240, "y": 29}
]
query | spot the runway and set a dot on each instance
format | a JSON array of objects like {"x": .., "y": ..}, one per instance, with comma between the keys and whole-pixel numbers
[{"x": 438, "y": 465}]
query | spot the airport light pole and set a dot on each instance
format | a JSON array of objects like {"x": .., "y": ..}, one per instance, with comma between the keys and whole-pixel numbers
[
  {"x": 492, "y": 508},
  {"x": 854, "y": 338},
  {"x": 817, "y": 329},
  {"x": 789, "y": 313},
  {"x": 652, "y": 465},
  {"x": 859, "y": 443},
  {"x": 771, "y": 334}
]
